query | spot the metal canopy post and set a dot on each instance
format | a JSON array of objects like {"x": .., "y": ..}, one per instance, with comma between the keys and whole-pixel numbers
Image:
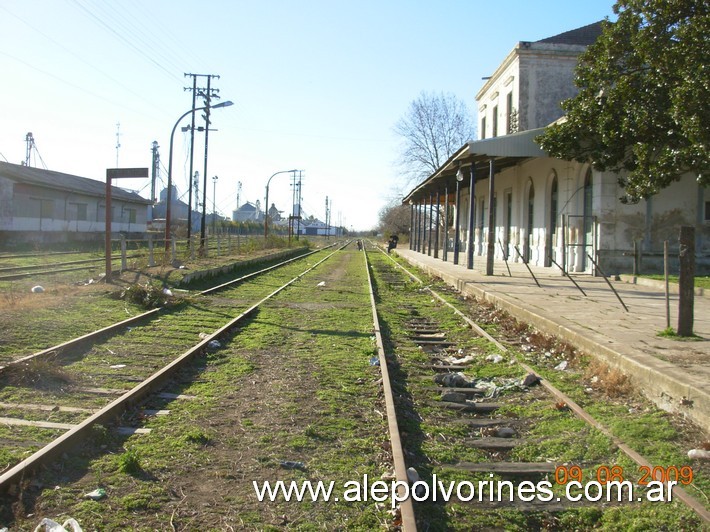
[
  {"x": 446, "y": 222},
  {"x": 431, "y": 217},
  {"x": 457, "y": 229},
  {"x": 424, "y": 227},
  {"x": 438, "y": 215},
  {"x": 491, "y": 220},
  {"x": 411, "y": 226},
  {"x": 471, "y": 203}
]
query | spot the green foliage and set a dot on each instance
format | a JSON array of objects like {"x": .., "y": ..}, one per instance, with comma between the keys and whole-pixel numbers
[
  {"x": 642, "y": 102},
  {"x": 129, "y": 463}
]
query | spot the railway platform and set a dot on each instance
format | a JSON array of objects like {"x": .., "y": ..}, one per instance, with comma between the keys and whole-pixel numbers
[{"x": 674, "y": 374}]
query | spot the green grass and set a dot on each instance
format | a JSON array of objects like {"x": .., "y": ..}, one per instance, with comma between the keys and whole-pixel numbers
[{"x": 700, "y": 281}]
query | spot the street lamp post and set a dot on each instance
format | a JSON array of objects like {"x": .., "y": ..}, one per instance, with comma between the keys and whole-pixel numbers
[
  {"x": 266, "y": 206},
  {"x": 214, "y": 200},
  {"x": 168, "y": 199}
]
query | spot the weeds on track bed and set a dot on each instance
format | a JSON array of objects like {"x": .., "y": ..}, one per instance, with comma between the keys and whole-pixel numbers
[{"x": 550, "y": 433}]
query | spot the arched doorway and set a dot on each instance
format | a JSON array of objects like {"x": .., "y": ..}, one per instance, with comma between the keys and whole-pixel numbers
[
  {"x": 552, "y": 224},
  {"x": 529, "y": 225},
  {"x": 588, "y": 225}
]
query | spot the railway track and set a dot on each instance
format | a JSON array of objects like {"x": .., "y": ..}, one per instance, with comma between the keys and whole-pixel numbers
[
  {"x": 477, "y": 422},
  {"x": 493, "y": 422},
  {"x": 96, "y": 378}
]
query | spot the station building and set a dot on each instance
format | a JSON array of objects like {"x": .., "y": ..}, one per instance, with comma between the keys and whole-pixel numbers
[
  {"x": 47, "y": 206},
  {"x": 501, "y": 196}
]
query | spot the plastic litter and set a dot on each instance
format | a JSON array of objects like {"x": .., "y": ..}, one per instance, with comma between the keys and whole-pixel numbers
[
  {"x": 699, "y": 454},
  {"x": 561, "y": 366},
  {"x": 494, "y": 358},
  {"x": 289, "y": 464},
  {"x": 453, "y": 397},
  {"x": 413, "y": 478},
  {"x": 214, "y": 344},
  {"x": 453, "y": 380},
  {"x": 37, "y": 289},
  {"x": 50, "y": 525},
  {"x": 167, "y": 292},
  {"x": 375, "y": 361},
  {"x": 203, "y": 335},
  {"x": 117, "y": 366},
  {"x": 96, "y": 495},
  {"x": 322, "y": 283}
]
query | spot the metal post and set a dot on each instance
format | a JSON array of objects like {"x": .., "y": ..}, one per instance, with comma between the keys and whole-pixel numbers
[
  {"x": 192, "y": 151},
  {"x": 438, "y": 215},
  {"x": 446, "y": 222},
  {"x": 108, "y": 227},
  {"x": 173, "y": 248},
  {"x": 424, "y": 231},
  {"x": 151, "y": 259},
  {"x": 203, "y": 228},
  {"x": 471, "y": 219},
  {"x": 411, "y": 226},
  {"x": 665, "y": 278},
  {"x": 214, "y": 201},
  {"x": 491, "y": 220},
  {"x": 431, "y": 217},
  {"x": 124, "y": 264},
  {"x": 457, "y": 222}
]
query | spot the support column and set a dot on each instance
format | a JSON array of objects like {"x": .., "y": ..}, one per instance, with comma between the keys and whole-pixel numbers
[
  {"x": 457, "y": 228},
  {"x": 411, "y": 226},
  {"x": 491, "y": 220},
  {"x": 417, "y": 247},
  {"x": 446, "y": 222},
  {"x": 424, "y": 228},
  {"x": 471, "y": 217},
  {"x": 431, "y": 217},
  {"x": 438, "y": 215}
]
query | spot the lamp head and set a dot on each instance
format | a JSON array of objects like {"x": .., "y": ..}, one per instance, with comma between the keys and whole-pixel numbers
[
  {"x": 223, "y": 104},
  {"x": 459, "y": 175}
]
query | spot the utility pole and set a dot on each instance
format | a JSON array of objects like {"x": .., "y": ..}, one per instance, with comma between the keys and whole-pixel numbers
[
  {"x": 207, "y": 95},
  {"x": 327, "y": 230},
  {"x": 214, "y": 204},
  {"x": 192, "y": 152},
  {"x": 298, "y": 219},
  {"x": 154, "y": 174}
]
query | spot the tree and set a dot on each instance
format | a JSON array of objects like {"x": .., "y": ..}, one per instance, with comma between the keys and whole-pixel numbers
[
  {"x": 434, "y": 127},
  {"x": 395, "y": 219},
  {"x": 642, "y": 107}
]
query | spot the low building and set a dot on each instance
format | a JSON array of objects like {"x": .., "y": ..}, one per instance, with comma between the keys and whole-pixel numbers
[
  {"x": 46, "y": 206},
  {"x": 248, "y": 212}
]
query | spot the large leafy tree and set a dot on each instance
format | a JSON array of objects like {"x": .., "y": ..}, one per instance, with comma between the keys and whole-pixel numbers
[
  {"x": 433, "y": 128},
  {"x": 643, "y": 106}
]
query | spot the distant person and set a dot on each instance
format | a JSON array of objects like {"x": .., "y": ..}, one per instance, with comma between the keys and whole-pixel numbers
[
  {"x": 359, "y": 245},
  {"x": 392, "y": 243}
]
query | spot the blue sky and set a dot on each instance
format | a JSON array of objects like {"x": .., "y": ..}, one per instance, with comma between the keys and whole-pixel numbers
[{"x": 316, "y": 85}]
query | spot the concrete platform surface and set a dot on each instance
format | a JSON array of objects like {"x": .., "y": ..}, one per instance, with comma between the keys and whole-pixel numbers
[{"x": 674, "y": 374}]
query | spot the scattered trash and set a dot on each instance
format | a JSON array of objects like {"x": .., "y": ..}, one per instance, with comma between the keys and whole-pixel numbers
[
  {"x": 117, "y": 366},
  {"x": 505, "y": 432},
  {"x": 288, "y": 464},
  {"x": 167, "y": 292},
  {"x": 203, "y": 335},
  {"x": 414, "y": 478},
  {"x": 37, "y": 289},
  {"x": 561, "y": 366},
  {"x": 494, "y": 358},
  {"x": 50, "y": 525},
  {"x": 322, "y": 283},
  {"x": 684, "y": 401},
  {"x": 181, "y": 267},
  {"x": 460, "y": 361},
  {"x": 699, "y": 454},
  {"x": 214, "y": 344},
  {"x": 453, "y": 380},
  {"x": 96, "y": 495},
  {"x": 561, "y": 406},
  {"x": 375, "y": 361},
  {"x": 531, "y": 380}
]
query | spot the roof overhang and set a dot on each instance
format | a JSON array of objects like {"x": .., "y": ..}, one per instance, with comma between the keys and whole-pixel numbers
[{"x": 505, "y": 151}]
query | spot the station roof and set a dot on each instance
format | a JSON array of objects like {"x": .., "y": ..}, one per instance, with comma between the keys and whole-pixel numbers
[
  {"x": 505, "y": 151},
  {"x": 67, "y": 182}
]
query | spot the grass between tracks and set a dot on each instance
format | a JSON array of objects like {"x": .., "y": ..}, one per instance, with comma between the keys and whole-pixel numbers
[
  {"x": 551, "y": 433},
  {"x": 294, "y": 384}
]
